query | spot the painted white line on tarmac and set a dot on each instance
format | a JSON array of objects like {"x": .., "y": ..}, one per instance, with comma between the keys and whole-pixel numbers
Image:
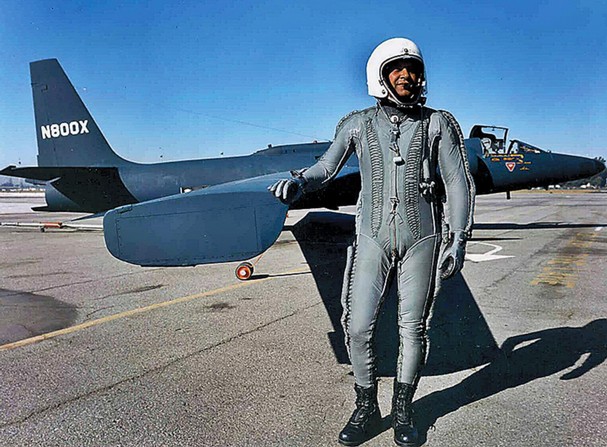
[{"x": 487, "y": 256}]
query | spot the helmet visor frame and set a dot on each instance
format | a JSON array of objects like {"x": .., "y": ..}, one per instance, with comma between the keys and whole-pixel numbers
[{"x": 416, "y": 65}]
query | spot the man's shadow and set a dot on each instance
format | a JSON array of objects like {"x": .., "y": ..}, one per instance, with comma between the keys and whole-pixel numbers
[
  {"x": 550, "y": 351},
  {"x": 460, "y": 338}
]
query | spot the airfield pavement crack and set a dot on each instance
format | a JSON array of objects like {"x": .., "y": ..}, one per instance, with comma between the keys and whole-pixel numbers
[
  {"x": 35, "y": 306},
  {"x": 88, "y": 316},
  {"x": 157, "y": 369},
  {"x": 75, "y": 283}
]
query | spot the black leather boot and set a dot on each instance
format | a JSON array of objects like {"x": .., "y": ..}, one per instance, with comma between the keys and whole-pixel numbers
[
  {"x": 405, "y": 433},
  {"x": 365, "y": 422}
]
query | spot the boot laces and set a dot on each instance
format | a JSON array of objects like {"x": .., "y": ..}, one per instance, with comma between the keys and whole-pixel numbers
[
  {"x": 404, "y": 415},
  {"x": 360, "y": 414},
  {"x": 403, "y": 412},
  {"x": 365, "y": 404}
]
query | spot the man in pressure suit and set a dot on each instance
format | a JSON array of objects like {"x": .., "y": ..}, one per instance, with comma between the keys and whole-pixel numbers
[{"x": 413, "y": 218}]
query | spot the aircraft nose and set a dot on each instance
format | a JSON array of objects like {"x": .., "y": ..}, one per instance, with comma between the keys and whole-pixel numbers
[
  {"x": 590, "y": 167},
  {"x": 598, "y": 166}
]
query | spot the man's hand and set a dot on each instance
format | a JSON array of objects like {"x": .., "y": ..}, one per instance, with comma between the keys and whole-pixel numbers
[
  {"x": 288, "y": 190},
  {"x": 452, "y": 258}
]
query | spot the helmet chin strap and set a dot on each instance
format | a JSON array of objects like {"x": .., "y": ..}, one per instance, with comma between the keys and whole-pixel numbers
[{"x": 416, "y": 99}]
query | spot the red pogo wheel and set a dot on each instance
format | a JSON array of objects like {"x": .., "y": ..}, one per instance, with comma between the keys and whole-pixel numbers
[{"x": 244, "y": 271}]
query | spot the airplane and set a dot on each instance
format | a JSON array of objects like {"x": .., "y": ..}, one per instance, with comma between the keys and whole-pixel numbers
[{"x": 192, "y": 212}]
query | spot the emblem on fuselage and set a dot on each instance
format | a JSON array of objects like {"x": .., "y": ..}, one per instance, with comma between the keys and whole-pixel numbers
[{"x": 64, "y": 129}]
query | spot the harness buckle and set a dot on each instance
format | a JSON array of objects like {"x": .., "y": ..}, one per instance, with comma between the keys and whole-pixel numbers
[{"x": 427, "y": 188}]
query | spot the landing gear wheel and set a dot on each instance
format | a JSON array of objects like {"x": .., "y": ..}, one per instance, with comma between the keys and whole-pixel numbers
[{"x": 244, "y": 271}]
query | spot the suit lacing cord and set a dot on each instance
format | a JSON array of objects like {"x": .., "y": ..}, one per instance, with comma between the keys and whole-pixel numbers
[{"x": 398, "y": 161}]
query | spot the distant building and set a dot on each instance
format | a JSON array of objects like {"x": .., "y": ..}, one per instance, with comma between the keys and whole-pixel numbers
[{"x": 12, "y": 182}]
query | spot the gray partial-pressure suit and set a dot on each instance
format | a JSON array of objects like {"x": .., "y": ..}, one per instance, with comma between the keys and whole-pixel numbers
[{"x": 399, "y": 225}]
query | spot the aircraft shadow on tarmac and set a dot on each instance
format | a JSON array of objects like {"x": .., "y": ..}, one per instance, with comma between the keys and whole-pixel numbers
[
  {"x": 532, "y": 226},
  {"x": 459, "y": 335},
  {"x": 487, "y": 239}
]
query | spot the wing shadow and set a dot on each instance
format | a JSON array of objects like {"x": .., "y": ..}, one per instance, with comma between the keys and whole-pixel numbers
[{"x": 532, "y": 226}]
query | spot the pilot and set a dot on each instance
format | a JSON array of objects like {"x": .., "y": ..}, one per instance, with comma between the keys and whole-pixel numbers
[
  {"x": 487, "y": 146},
  {"x": 401, "y": 230}
]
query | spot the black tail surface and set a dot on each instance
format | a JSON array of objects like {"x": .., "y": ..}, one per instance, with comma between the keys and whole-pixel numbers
[{"x": 67, "y": 134}]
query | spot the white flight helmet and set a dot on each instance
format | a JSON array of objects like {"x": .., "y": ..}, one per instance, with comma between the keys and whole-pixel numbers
[{"x": 387, "y": 51}]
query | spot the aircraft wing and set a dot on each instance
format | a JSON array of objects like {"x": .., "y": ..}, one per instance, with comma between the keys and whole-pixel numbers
[{"x": 227, "y": 222}]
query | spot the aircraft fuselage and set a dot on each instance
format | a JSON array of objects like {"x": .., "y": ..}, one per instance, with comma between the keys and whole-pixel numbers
[
  {"x": 97, "y": 189},
  {"x": 84, "y": 174}
]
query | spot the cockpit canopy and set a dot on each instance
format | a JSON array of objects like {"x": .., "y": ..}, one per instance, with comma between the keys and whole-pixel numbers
[
  {"x": 493, "y": 138},
  {"x": 494, "y": 141}
]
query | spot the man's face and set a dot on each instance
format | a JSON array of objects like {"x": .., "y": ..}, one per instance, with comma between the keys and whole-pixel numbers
[{"x": 404, "y": 75}]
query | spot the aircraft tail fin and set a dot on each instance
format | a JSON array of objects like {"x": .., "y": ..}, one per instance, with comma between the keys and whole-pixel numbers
[{"x": 66, "y": 132}]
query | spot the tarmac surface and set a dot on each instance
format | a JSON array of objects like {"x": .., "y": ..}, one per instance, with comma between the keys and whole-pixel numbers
[{"x": 97, "y": 352}]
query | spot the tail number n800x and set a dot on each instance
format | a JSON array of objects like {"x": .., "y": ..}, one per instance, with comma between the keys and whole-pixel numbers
[{"x": 64, "y": 129}]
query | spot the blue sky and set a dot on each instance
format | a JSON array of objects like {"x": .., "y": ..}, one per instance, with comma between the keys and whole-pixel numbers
[{"x": 172, "y": 79}]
